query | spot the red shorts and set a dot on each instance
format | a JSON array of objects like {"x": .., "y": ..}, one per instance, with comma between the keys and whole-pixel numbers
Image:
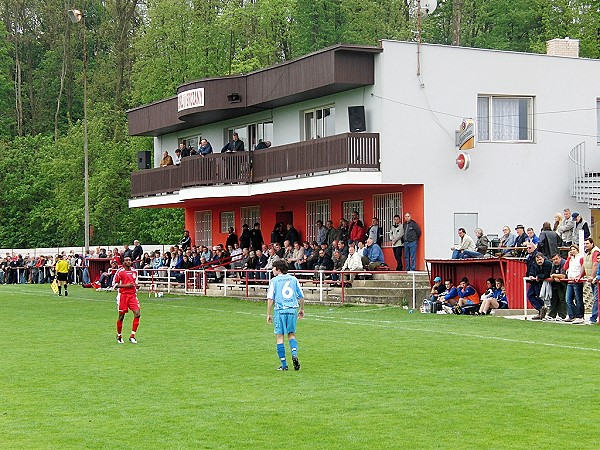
[{"x": 127, "y": 301}]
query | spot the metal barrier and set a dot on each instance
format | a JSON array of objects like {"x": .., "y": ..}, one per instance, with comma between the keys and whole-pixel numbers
[{"x": 196, "y": 281}]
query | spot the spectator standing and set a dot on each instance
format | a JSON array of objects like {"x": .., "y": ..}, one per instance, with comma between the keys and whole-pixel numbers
[
  {"x": 537, "y": 273},
  {"x": 205, "y": 148},
  {"x": 137, "y": 253},
  {"x": 321, "y": 233},
  {"x": 590, "y": 265},
  {"x": 232, "y": 238},
  {"x": 245, "y": 237},
  {"x": 235, "y": 145},
  {"x": 558, "y": 304},
  {"x": 412, "y": 233},
  {"x": 565, "y": 230},
  {"x": 277, "y": 234},
  {"x": 357, "y": 232},
  {"x": 376, "y": 232},
  {"x": 256, "y": 237},
  {"x": 549, "y": 241},
  {"x": 397, "y": 238},
  {"x": 580, "y": 224},
  {"x": 186, "y": 241},
  {"x": 185, "y": 151},
  {"x": 292, "y": 234},
  {"x": 575, "y": 274},
  {"x": 177, "y": 157}
]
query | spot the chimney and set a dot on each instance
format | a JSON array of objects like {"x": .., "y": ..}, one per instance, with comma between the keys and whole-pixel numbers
[{"x": 563, "y": 47}]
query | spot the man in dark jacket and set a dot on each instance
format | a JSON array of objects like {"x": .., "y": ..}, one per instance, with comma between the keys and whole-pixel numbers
[
  {"x": 412, "y": 232},
  {"x": 549, "y": 241},
  {"x": 538, "y": 270},
  {"x": 245, "y": 237},
  {"x": 256, "y": 237}
]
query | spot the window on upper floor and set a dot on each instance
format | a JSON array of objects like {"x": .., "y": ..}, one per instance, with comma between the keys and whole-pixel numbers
[
  {"x": 252, "y": 133},
  {"x": 319, "y": 122},
  {"x": 190, "y": 141},
  {"x": 504, "y": 118}
]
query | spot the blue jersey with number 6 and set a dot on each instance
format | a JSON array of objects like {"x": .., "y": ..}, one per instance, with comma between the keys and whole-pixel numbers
[{"x": 285, "y": 291}]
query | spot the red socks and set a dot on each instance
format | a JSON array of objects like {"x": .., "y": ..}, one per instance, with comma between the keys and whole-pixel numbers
[{"x": 135, "y": 324}]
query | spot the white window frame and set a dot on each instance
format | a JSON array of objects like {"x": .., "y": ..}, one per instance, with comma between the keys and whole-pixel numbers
[
  {"x": 316, "y": 210},
  {"x": 318, "y": 127},
  {"x": 203, "y": 227},
  {"x": 385, "y": 207},
  {"x": 489, "y": 123},
  {"x": 262, "y": 130},
  {"x": 249, "y": 215},
  {"x": 195, "y": 139},
  {"x": 227, "y": 220}
]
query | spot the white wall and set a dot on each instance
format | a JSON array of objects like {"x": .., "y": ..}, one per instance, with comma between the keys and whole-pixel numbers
[{"x": 507, "y": 183}]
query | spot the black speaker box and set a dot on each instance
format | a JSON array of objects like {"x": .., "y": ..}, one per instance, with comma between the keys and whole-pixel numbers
[
  {"x": 356, "y": 118},
  {"x": 144, "y": 160}
]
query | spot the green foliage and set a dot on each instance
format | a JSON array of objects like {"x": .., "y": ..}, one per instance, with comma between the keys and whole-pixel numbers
[
  {"x": 203, "y": 376},
  {"x": 141, "y": 51}
]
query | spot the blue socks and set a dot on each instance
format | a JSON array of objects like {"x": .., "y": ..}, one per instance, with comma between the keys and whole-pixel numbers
[
  {"x": 281, "y": 354},
  {"x": 294, "y": 347}
]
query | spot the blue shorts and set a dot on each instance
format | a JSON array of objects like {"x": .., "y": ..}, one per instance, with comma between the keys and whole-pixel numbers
[{"x": 285, "y": 321}]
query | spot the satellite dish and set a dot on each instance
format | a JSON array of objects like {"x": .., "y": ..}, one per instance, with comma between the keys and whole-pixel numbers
[{"x": 428, "y": 6}]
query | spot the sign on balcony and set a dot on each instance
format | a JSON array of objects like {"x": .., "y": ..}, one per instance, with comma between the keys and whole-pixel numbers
[{"x": 190, "y": 99}]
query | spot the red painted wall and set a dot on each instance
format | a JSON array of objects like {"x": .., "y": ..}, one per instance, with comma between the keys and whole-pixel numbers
[{"x": 412, "y": 197}]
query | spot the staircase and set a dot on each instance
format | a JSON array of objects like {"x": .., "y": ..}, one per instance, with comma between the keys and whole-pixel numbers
[{"x": 584, "y": 186}]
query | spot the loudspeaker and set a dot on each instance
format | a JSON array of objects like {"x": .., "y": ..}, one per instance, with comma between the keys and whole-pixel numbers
[
  {"x": 356, "y": 118},
  {"x": 144, "y": 160}
]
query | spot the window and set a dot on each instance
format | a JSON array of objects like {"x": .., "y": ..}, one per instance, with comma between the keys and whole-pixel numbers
[
  {"x": 252, "y": 133},
  {"x": 385, "y": 207},
  {"x": 250, "y": 215},
  {"x": 504, "y": 119},
  {"x": 227, "y": 220},
  {"x": 468, "y": 221},
  {"x": 316, "y": 210},
  {"x": 598, "y": 120},
  {"x": 191, "y": 141},
  {"x": 319, "y": 122},
  {"x": 353, "y": 205},
  {"x": 203, "y": 225}
]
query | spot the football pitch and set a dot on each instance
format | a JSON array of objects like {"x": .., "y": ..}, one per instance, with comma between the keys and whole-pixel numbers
[{"x": 203, "y": 376}]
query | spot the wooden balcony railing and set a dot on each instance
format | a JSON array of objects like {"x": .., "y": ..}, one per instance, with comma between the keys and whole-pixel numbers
[{"x": 343, "y": 152}]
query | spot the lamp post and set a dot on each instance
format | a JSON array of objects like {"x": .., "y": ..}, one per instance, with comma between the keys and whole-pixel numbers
[{"x": 77, "y": 16}]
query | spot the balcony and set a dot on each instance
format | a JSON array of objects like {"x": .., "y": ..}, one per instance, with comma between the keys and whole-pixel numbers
[{"x": 343, "y": 152}]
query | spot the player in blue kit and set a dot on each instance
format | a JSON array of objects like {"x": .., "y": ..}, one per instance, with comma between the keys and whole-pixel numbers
[{"x": 285, "y": 292}]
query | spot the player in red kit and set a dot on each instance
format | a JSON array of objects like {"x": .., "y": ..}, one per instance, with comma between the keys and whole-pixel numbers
[{"x": 125, "y": 281}]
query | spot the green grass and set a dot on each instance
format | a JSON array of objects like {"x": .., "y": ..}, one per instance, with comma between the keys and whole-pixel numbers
[{"x": 203, "y": 376}]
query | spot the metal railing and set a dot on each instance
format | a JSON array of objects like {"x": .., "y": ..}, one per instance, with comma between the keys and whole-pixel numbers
[{"x": 343, "y": 152}]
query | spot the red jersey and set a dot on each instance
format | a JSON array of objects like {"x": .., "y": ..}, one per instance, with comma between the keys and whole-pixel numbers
[{"x": 124, "y": 276}]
